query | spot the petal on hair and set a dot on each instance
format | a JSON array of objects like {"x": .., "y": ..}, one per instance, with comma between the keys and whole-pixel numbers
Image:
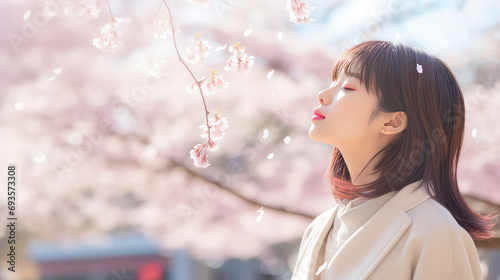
[{"x": 419, "y": 68}]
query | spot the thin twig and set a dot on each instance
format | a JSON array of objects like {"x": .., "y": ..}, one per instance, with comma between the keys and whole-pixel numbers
[
  {"x": 198, "y": 83},
  {"x": 109, "y": 7}
]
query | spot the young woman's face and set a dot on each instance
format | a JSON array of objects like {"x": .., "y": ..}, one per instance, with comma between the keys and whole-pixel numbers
[{"x": 347, "y": 107}]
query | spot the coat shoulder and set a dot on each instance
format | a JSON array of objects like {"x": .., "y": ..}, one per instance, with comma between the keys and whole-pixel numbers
[
  {"x": 432, "y": 220},
  {"x": 438, "y": 245}
]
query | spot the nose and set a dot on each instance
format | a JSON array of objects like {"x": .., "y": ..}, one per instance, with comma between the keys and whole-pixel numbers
[{"x": 323, "y": 97}]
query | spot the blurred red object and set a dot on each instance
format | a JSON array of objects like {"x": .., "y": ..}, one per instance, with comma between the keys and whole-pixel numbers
[{"x": 150, "y": 271}]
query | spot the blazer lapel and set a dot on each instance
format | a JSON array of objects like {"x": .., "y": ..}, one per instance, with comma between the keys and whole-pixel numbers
[
  {"x": 309, "y": 260},
  {"x": 364, "y": 250}
]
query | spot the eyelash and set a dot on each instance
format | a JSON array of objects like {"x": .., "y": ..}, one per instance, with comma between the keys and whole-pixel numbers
[{"x": 344, "y": 88}]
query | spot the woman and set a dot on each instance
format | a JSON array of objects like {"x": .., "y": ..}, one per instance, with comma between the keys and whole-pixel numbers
[{"x": 395, "y": 116}]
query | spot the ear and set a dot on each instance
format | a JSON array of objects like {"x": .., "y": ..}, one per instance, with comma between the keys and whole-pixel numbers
[{"x": 396, "y": 124}]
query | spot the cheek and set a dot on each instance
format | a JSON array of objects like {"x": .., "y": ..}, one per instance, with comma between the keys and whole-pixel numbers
[
  {"x": 347, "y": 121},
  {"x": 349, "y": 118}
]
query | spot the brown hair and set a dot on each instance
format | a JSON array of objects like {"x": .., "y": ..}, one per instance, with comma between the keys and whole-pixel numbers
[{"x": 429, "y": 147}]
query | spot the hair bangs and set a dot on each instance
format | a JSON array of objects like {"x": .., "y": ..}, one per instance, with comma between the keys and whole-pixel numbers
[{"x": 362, "y": 63}]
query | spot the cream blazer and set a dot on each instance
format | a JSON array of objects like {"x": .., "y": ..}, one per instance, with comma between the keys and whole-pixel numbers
[{"x": 411, "y": 237}]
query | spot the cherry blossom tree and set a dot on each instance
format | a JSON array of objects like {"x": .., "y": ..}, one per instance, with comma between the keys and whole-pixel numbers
[{"x": 103, "y": 115}]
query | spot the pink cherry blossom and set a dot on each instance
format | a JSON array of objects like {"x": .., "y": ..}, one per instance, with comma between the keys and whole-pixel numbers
[
  {"x": 214, "y": 83},
  {"x": 199, "y": 155},
  {"x": 193, "y": 88},
  {"x": 198, "y": 51},
  {"x": 239, "y": 60},
  {"x": 212, "y": 146},
  {"x": 299, "y": 11},
  {"x": 161, "y": 26},
  {"x": 107, "y": 41},
  {"x": 201, "y": 2},
  {"x": 217, "y": 126}
]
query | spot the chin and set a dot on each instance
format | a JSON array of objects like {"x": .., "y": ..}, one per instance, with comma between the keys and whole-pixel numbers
[
  {"x": 312, "y": 133},
  {"x": 315, "y": 137}
]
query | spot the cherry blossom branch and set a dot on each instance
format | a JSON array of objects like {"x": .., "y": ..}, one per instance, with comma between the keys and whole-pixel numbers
[
  {"x": 109, "y": 7},
  {"x": 198, "y": 83},
  {"x": 240, "y": 196},
  {"x": 195, "y": 174}
]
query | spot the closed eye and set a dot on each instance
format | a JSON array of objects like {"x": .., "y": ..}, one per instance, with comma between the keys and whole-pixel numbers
[{"x": 346, "y": 88}]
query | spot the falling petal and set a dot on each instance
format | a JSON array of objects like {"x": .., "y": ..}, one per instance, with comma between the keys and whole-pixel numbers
[
  {"x": 27, "y": 15},
  {"x": 265, "y": 134},
  {"x": 280, "y": 35},
  {"x": 270, "y": 74},
  {"x": 220, "y": 48},
  {"x": 248, "y": 32},
  {"x": 321, "y": 268},
  {"x": 396, "y": 37},
  {"x": 419, "y": 68},
  {"x": 270, "y": 156},
  {"x": 19, "y": 106},
  {"x": 287, "y": 139},
  {"x": 474, "y": 132},
  {"x": 52, "y": 78},
  {"x": 57, "y": 70},
  {"x": 259, "y": 218},
  {"x": 39, "y": 159}
]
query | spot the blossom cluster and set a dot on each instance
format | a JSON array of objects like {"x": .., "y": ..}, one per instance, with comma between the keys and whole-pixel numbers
[
  {"x": 299, "y": 11},
  {"x": 214, "y": 83},
  {"x": 216, "y": 127},
  {"x": 107, "y": 41},
  {"x": 161, "y": 24},
  {"x": 198, "y": 51},
  {"x": 239, "y": 60}
]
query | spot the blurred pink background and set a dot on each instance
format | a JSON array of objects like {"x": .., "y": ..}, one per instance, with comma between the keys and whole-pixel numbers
[{"x": 102, "y": 146}]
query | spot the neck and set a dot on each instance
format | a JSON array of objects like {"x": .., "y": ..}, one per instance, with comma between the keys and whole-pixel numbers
[{"x": 356, "y": 159}]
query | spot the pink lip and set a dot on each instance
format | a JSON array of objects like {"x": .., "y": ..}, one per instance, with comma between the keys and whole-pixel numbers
[
  {"x": 314, "y": 118},
  {"x": 317, "y": 115}
]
